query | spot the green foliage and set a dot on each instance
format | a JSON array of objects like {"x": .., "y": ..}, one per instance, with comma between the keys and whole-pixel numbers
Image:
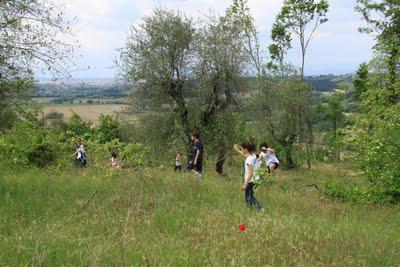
[
  {"x": 280, "y": 109},
  {"x": 356, "y": 193},
  {"x": 383, "y": 19},
  {"x": 295, "y": 17},
  {"x": 33, "y": 34},
  {"x": 376, "y": 137},
  {"x": 129, "y": 154},
  {"x": 330, "y": 118},
  {"x": 361, "y": 81},
  {"x": 378, "y": 151},
  {"x": 186, "y": 75},
  {"x": 14, "y": 101},
  {"x": 108, "y": 129},
  {"x": 78, "y": 127},
  {"x": 29, "y": 144}
]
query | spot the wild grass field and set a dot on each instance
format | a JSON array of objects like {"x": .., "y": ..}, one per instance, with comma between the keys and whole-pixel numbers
[
  {"x": 88, "y": 112},
  {"x": 155, "y": 217}
]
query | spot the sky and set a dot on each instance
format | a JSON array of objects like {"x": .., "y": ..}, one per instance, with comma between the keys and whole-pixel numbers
[{"x": 102, "y": 27}]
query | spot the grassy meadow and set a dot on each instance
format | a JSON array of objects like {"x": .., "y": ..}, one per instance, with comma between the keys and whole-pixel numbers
[{"x": 155, "y": 217}]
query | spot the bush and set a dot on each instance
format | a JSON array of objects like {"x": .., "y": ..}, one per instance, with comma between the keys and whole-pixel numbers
[
  {"x": 30, "y": 143},
  {"x": 108, "y": 129},
  {"x": 378, "y": 152},
  {"x": 356, "y": 194},
  {"x": 26, "y": 144}
]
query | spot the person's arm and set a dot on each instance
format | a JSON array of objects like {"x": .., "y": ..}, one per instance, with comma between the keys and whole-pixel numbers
[
  {"x": 271, "y": 150},
  {"x": 248, "y": 178},
  {"x": 238, "y": 150},
  {"x": 76, "y": 152},
  {"x": 197, "y": 156}
]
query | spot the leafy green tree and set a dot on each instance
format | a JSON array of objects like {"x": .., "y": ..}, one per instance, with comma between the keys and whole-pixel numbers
[
  {"x": 14, "y": 102},
  {"x": 32, "y": 35},
  {"x": 32, "y": 38},
  {"x": 383, "y": 19},
  {"x": 301, "y": 17},
  {"x": 77, "y": 126},
  {"x": 240, "y": 13},
  {"x": 280, "y": 110},
  {"x": 333, "y": 114},
  {"x": 361, "y": 81},
  {"x": 188, "y": 74},
  {"x": 224, "y": 53},
  {"x": 158, "y": 58},
  {"x": 108, "y": 129},
  {"x": 378, "y": 133}
]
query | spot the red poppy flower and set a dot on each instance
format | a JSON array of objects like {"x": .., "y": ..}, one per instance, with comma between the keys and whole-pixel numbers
[{"x": 242, "y": 227}]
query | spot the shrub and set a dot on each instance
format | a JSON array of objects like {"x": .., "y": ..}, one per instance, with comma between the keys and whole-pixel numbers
[
  {"x": 108, "y": 129},
  {"x": 356, "y": 194},
  {"x": 26, "y": 144}
]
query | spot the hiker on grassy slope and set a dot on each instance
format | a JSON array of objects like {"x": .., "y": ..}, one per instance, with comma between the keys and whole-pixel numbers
[
  {"x": 196, "y": 154},
  {"x": 80, "y": 154},
  {"x": 268, "y": 156},
  {"x": 250, "y": 175}
]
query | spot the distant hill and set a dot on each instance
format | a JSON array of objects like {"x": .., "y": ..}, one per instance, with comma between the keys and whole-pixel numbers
[
  {"x": 323, "y": 83},
  {"x": 65, "y": 90}
]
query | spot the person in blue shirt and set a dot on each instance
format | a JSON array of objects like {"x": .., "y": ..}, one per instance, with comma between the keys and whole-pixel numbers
[{"x": 196, "y": 154}]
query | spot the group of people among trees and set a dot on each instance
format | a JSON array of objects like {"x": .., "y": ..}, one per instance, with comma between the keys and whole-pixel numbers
[{"x": 252, "y": 163}]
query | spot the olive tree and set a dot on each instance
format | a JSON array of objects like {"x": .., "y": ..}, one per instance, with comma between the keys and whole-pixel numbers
[
  {"x": 189, "y": 72},
  {"x": 34, "y": 36},
  {"x": 281, "y": 111},
  {"x": 158, "y": 59}
]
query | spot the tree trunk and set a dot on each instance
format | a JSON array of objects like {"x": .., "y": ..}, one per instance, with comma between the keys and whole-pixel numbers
[
  {"x": 309, "y": 142},
  {"x": 219, "y": 165},
  {"x": 303, "y": 54},
  {"x": 289, "y": 157}
]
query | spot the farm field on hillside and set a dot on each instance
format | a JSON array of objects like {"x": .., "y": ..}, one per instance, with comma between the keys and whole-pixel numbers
[{"x": 85, "y": 111}]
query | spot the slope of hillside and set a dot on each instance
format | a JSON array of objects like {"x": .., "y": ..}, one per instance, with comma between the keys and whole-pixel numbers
[{"x": 157, "y": 217}]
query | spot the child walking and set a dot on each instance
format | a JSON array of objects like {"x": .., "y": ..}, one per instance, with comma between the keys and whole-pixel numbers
[
  {"x": 250, "y": 175},
  {"x": 114, "y": 161},
  {"x": 268, "y": 156},
  {"x": 178, "y": 161},
  {"x": 80, "y": 154}
]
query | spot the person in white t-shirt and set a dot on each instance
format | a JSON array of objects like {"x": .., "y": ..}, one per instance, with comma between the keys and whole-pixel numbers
[
  {"x": 250, "y": 176},
  {"x": 268, "y": 156},
  {"x": 80, "y": 154}
]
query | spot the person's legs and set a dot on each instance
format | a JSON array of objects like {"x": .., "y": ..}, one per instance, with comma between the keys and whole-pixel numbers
[
  {"x": 247, "y": 196},
  {"x": 272, "y": 168},
  {"x": 252, "y": 199},
  {"x": 199, "y": 166}
]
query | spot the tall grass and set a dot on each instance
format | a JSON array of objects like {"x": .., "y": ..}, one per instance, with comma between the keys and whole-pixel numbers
[{"x": 157, "y": 217}]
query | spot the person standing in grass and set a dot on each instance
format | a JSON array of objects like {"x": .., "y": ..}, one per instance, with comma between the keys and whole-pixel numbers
[
  {"x": 250, "y": 174},
  {"x": 268, "y": 156},
  {"x": 178, "y": 161},
  {"x": 196, "y": 154},
  {"x": 80, "y": 154}
]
